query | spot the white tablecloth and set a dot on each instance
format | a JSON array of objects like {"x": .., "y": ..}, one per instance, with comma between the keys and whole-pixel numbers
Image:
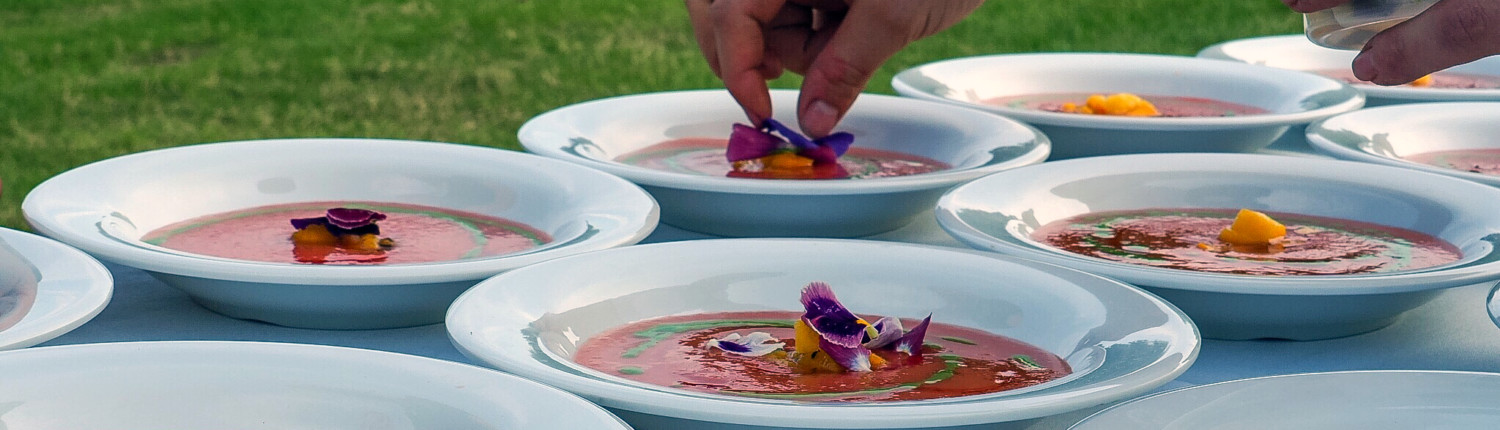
[{"x": 1452, "y": 332}]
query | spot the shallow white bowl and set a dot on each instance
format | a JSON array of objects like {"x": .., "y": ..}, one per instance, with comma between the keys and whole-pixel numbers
[
  {"x": 1121, "y": 341},
  {"x": 1385, "y": 135},
  {"x": 999, "y": 213},
  {"x": 1291, "y": 98},
  {"x": 1365, "y": 400},
  {"x": 71, "y": 288},
  {"x": 595, "y": 133},
  {"x": 105, "y": 208},
  {"x": 247, "y": 385},
  {"x": 1295, "y": 52}
]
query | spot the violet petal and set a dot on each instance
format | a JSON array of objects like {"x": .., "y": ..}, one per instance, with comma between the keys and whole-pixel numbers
[
  {"x": 797, "y": 139},
  {"x": 838, "y": 142},
  {"x": 911, "y": 343},
  {"x": 349, "y": 218},
  {"x": 855, "y": 359},
  {"x": 820, "y": 155},
  {"x": 829, "y": 318},
  {"x": 887, "y": 330},
  {"x": 756, "y": 344},
  {"x": 301, "y": 223},
  {"x": 747, "y": 142}
]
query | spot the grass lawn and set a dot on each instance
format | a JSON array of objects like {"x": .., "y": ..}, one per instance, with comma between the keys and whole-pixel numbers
[{"x": 85, "y": 80}]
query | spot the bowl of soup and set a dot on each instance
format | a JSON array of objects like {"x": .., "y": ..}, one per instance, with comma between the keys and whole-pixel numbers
[
  {"x": 1454, "y": 138},
  {"x": 904, "y": 154},
  {"x": 1361, "y": 243},
  {"x": 217, "y": 221},
  {"x": 1474, "y": 81},
  {"x": 1010, "y": 342},
  {"x": 1199, "y": 105}
]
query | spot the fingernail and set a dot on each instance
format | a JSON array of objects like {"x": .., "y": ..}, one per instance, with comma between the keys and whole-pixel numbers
[
  {"x": 819, "y": 119},
  {"x": 1364, "y": 66}
]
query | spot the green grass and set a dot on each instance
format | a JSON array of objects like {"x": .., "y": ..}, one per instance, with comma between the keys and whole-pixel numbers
[{"x": 84, "y": 80}]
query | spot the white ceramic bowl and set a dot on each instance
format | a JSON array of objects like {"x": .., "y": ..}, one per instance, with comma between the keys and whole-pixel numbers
[
  {"x": 68, "y": 287},
  {"x": 1290, "y": 98},
  {"x": 999, "y": 213},
  {"x": 1388, "y": 134},
  {"x": 104, "y": 208},
  {"x": 1295, "y": 52},
  {"x": 247, "y": 385},
  {"x": 1365, "y": 400},
  {"x": 595, "y": 133},
  {"x": 1120, "y": 341}
]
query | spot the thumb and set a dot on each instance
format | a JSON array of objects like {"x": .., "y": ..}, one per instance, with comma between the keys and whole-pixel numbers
[
  {"x": 862, "y": 42},
  {"x": 1450, "y": 33}
]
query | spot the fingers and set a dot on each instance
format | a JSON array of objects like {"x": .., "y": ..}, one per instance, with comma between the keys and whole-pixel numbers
[
  {"x": 868, "y": 35},
  {"x": 1306, "y": 6},
  {"x": 739, "y": 44},
  {"x": 703, "y": 31},
  {"x": 1450, "y": 33}
]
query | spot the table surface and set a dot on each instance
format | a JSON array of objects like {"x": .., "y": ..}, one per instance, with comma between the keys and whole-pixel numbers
[{"x": 1452, "y": 332}]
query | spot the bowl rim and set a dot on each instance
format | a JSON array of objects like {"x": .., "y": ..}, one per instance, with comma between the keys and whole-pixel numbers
[
  {"x": 535, "y": 132},
  {"x": 1128, "y": 404},
  {"x": 1155, "y": 277},
  {"x": 902, "y": 83},
  {"x": 639, "y": 222},
  {"x": 479, "y": 381},
  {"x": 83, "y": 285},
  {"x": 1317, "y": 139},
  {"x": 1163, "y": 366},
  {"x": 1401, "y": 93}
]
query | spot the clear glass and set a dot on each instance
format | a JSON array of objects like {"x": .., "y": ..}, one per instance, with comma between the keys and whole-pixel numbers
[{"x": 1350, "y": 25}]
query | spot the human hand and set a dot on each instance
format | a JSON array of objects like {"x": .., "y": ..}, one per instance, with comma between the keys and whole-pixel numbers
[
  {"x": 836, "y": 45},
  {"x": 1450, "y": 33}
]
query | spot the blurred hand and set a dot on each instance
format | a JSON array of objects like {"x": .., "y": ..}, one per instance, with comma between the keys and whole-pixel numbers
[
  {"x": 1450, "y": 33},
  {"x": 836, "y": 45}
]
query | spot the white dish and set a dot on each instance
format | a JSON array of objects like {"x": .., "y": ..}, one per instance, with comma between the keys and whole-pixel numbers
[
  {"x": 18, "y": 279},
  {"x": 1120, "y": 341},
  {"x": 106, "y": 207},
  {"x": 1000, "y": 211},
  {"x": 1364, "y": 400},
  {"x": 1389, "y": 134},
  {"x": 596, "y": 133},
  {"x": 71, "y": 289},
  {"x": 1295, "y": 52},
  {"x": 247, "y": 385},
  {"x": 1290, "y": 98}
]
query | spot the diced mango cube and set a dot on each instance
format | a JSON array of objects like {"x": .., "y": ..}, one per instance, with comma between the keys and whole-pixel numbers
[
  {"x": 315, "y": 234},
  {"x": 806, "y": 338},
  {"x": 1252, "y": 228},
  {"x": 787, "y": 160},
  {"x": 363, "y": 242},
  {"x": 1424, "y": 81}
]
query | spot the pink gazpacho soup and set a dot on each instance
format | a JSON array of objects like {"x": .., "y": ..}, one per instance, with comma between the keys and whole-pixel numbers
[
  {"x": 1192, "y": 239},
  {"x": 1482, "y": 161},
  {"x": 705, "y": 156},
  {"x": 408, "y": 234},
  {"x": 1165, "y": 106},
  {"x": 825, "y": 354}
]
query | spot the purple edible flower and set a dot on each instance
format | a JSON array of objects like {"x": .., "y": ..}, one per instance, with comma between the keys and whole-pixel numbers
[
  {"x": 756, "y": 344},
  {"x": 349, "y": 218},
  {"x": 887, "y": 331},
  {"x": 341, "y": 221},
  {"x": 829, "y": 318},
  {"x": 746, "y": 143},
  {"x": 856, "y": 358},
  {"x": 911, "y": 343}
]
